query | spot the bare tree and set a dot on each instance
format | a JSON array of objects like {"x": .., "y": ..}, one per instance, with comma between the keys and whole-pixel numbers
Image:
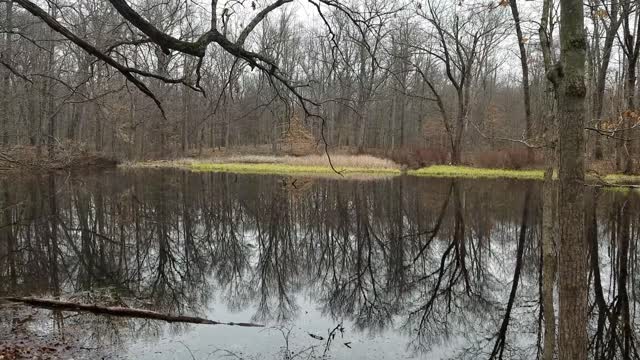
[
  {"x": 604, "y": 15},
  {"x": 524, "y": 64},
  {"x": 460, "y": 41}
]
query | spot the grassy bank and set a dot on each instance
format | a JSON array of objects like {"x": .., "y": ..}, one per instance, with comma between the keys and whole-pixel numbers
[
  {"x": 622, "y": 179},
  {"x": 476, "y": 173},
  {"x": 247, "y": 168},
  {"x": 351, "y": 165},
  {"x": 530, "y": 174},
  {"x": 311, "y": 165},
  {"x": 345, "y": 165}
]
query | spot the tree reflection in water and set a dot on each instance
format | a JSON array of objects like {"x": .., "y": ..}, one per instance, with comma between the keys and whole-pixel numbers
[{"x": 448, "y": 264}]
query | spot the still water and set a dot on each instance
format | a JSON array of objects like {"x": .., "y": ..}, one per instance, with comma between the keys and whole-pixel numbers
[{"x": 396, "y": 268}]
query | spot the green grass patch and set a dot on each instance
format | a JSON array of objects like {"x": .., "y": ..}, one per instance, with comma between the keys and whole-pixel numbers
[
  {"x": 477, "y": 173},
  {"x": 622, "y": 179},
  {"x": 245, "y": 168},
  {"x": 619, "y": 189}
]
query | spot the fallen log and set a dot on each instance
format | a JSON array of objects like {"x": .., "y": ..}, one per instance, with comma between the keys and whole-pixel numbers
[{"x": 119, "y": 311}]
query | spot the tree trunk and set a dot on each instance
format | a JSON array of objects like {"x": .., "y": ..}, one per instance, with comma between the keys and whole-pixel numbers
[
  {"x": 549, "y": 200},
  {"x": 186, "y": 120},
  {"x": 121, "y": 311},
  {"x": 630, "y": 93},
  {"x": 363, "y": 98},
  {"x": 392, "y": 122},
  {"x": 227, "y": 134},
  {"x": 34, "y": 118},
  {"x": 97, "y": 114},
  {"x": 456, "y": 145},
  {"x": 573, "y": 285},
  {"x": 524, "y": 63},
  {"x": 163, "y": 62},
  {"x": 7, "y": 106},
  {"x": 78, "y": 113},
  {"x": 49, "y": 113},
  {"x": 601, "y": 79},
  {"x": 7, "y": 237},
  {"x": 456, "y": 157}
]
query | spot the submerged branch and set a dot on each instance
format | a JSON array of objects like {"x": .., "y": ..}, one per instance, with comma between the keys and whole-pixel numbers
[{"x": 119, "y": 311}]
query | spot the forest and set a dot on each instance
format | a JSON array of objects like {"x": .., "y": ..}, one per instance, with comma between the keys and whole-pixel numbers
[{"x": 438, "y": 81}]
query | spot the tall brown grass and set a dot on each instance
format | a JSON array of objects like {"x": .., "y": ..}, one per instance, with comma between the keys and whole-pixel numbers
[{"x": 359, "y": 161}]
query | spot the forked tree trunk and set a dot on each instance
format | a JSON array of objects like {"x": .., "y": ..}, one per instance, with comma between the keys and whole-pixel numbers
[
  {"x": 601, "y": 75},
  {"x": 456, "y": 156},
  {"x": 573, "y": 287}
]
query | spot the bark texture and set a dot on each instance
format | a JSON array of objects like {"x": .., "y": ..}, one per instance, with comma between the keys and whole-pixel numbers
[{"x": 573, "y": 287}]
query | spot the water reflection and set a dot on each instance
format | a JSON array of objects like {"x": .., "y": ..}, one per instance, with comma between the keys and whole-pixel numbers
[{"x": 448, "y": 266}]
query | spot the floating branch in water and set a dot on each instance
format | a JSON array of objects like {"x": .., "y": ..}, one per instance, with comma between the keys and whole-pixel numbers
[{"x": 119, "y": 311}]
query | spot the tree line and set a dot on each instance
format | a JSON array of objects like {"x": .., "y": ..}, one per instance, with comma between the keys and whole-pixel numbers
[{"x": 371, "y": 75}]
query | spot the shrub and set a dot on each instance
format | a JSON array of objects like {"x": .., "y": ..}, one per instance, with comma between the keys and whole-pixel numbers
[
  {"x": 65, "y": 155},
  {"x": 513, "y": 158},
  {"x": 417, "y": 157}
]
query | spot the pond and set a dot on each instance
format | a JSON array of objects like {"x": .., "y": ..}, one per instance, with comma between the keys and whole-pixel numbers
[{"x": 404, "y": 267}]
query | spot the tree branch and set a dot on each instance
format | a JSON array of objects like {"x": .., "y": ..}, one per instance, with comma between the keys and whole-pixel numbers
[
  {"x": 35, "y": 10},
  {"x": 120, "y": 311},
  {"x": 257, "y": 19}
]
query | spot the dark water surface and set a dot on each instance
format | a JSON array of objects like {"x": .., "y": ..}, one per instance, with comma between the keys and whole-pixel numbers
[{"x": 400, "y": 268}]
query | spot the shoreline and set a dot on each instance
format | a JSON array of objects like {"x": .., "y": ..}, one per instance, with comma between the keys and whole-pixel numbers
[
  {"x": 262, "y": 168},
  {"x": 434, "y": 171}
]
